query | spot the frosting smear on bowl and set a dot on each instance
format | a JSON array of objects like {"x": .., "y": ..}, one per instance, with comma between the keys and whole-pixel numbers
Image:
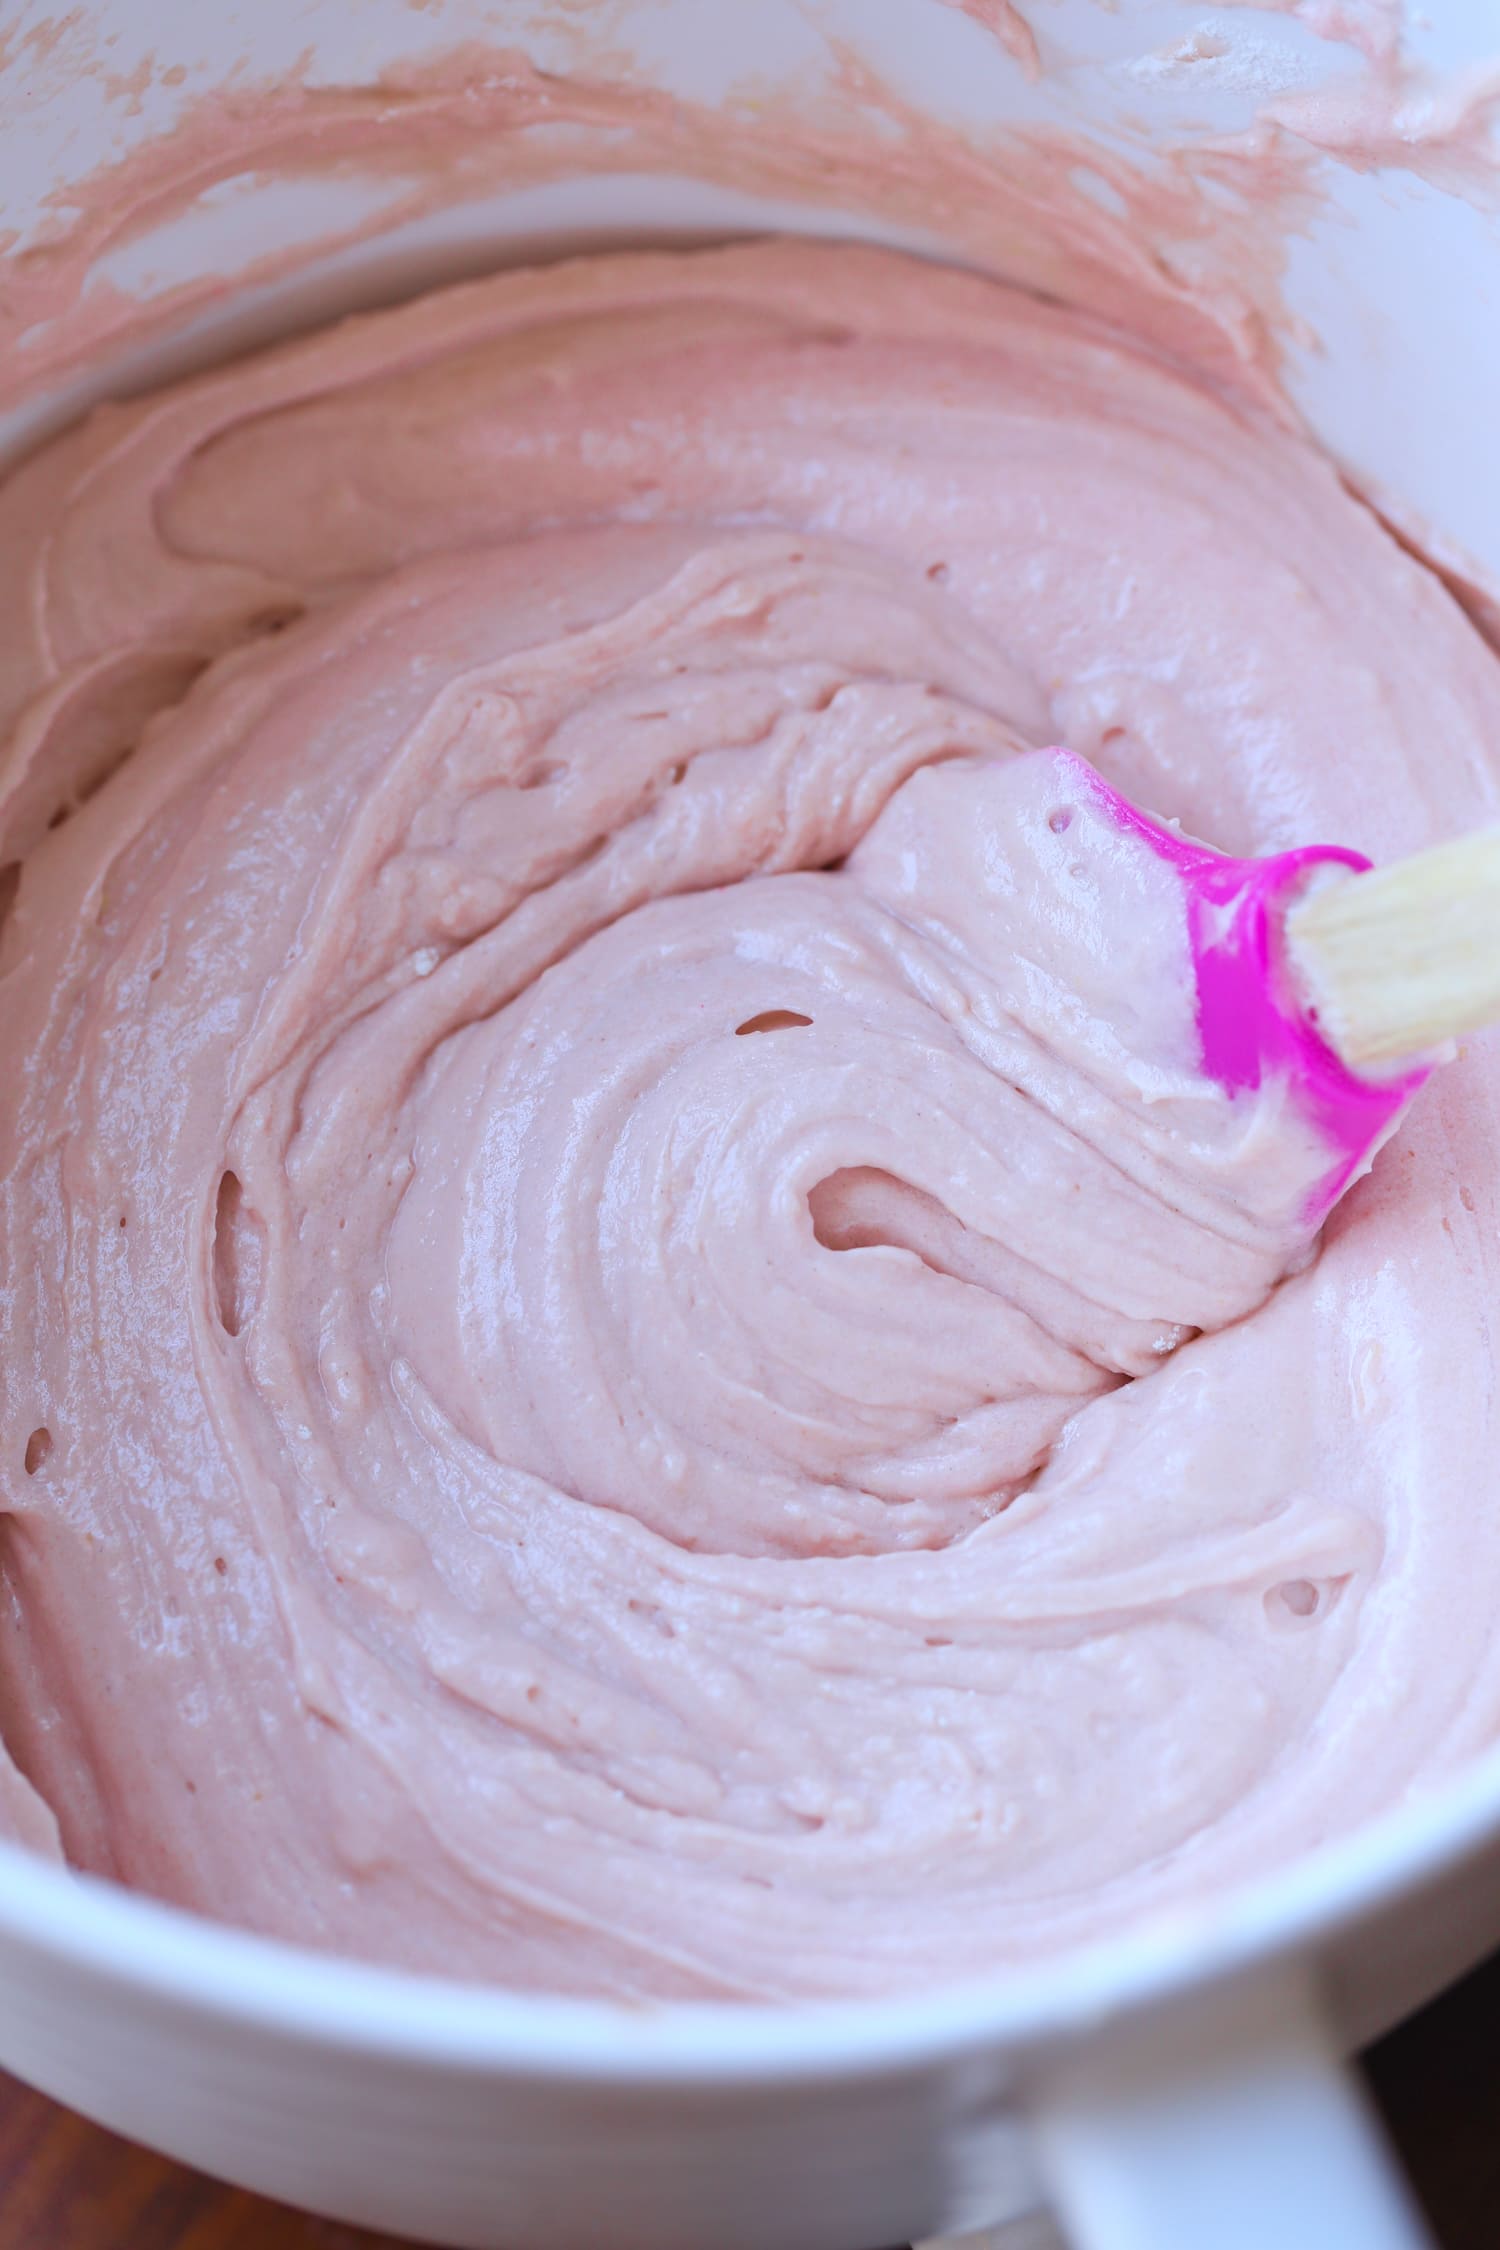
[{"x": 647, "y": 1351}]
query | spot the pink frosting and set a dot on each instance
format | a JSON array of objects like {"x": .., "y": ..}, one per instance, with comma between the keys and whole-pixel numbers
[{"x": 663, "y": 1321}]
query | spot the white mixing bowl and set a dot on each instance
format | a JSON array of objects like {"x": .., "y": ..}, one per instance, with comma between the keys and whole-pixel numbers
[{"x": 1173, "y": 2089}]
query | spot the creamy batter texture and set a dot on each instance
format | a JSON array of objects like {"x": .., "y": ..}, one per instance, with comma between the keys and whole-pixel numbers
[{"x": 639, "y": 1355}]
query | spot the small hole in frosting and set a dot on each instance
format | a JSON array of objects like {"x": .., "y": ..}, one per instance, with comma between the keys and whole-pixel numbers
[
  {"x": 1301, "y": 1601},
  {"x": 273, "y": 620},
  {"x": 221, "y": 1566},
  {"x": 38, "y": 1451},
  {"x": 1060, "y": 819},
  {"x": 772, "y": 1019},
  {"x": 236, "y": 1256},
  {"x": 63, "y": 812},
  {"x": 653, "y": 1617},
  {"x": 539, "y": 776},
  {"x": 939, "y": 573}
]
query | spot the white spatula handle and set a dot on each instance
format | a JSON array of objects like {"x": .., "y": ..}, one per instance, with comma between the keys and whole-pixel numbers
[
  {"x": 1398, "y": 962},
  {"x": 1218, "y": 2135}
]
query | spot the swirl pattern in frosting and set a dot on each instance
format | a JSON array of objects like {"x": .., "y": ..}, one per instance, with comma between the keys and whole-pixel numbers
[{"x": 639, "y": 1357}]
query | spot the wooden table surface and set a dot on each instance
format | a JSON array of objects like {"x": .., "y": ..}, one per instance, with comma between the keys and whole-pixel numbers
[{"x": 65, "y": 2185}]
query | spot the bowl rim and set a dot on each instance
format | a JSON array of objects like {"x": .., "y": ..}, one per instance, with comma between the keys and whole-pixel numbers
[{"x": 181, "y": 1961}]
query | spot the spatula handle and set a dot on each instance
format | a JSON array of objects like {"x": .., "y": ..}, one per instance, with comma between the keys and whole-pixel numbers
[{"x": 1397, "y": 963}]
